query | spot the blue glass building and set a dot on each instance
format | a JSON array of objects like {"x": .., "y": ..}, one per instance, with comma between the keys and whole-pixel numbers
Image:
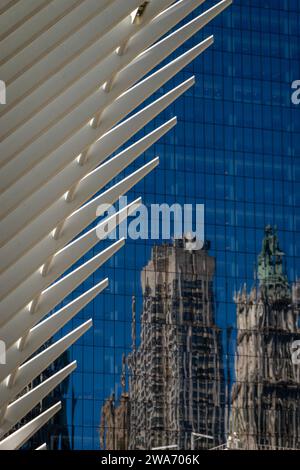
[{"x": 236, "y": 149}]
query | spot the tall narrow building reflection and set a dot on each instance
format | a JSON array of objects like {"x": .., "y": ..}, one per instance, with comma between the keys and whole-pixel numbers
[
  {"x": 176, "y": 377},
  {"x": 266, "y": 395}
]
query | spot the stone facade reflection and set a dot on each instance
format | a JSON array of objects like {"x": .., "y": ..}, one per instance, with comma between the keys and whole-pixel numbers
[
  {"x": 176, "y": 380},
  {"x": 266, "y": 395},
  {"x": 115, "y": 419}
]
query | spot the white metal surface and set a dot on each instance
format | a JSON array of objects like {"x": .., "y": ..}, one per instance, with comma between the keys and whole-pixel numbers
[
  {"x": 18, "y": 438},
  {"x": 42, "y": 332},
  {"x": 20, "y": 407},
  {"x": 72, "y": 71}
]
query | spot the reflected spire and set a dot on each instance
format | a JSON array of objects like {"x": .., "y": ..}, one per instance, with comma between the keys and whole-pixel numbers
[
  {"x": 271, "y": 273},
  {"x": 133, "y": 324}
]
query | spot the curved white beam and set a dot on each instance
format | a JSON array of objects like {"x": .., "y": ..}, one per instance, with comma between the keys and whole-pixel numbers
[
  {"x": 128, "y": 101},
  {"x": 74, "y": 32},
  {"x": 34, "y": 27},
  {"x": 18, "y": 438},
  {"x": 119, "y": 134},
  {"x": 98, "y": 152},
  {"x": 42, "y": 447},
  {"x": 49, "y": 217},
  {"x": 20, "y": 407},
  {"x": 5, "y": 4},
  {"x": 36, "y": 282},
  {"x": 50, "y": 297},
  {"x": 32, "y": 119},
  {"x": 69, "y": 124},
  {"x": 56, "y": 130},
  {"x": 32, "y": 368},
  {"x": 56, "y": 58},
  {"x": 43, "y": 331},
  {"x": 50, "y": 100},
  {"x": 17, "y": 14},
  {"x": 73, "y": 225}
]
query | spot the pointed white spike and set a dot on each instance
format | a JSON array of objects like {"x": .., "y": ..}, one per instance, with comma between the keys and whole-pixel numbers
[
  {"x": 73, "y": 172},
  {"x": 214, "y": 11},
  {"x": 20, "y": 407},
  {"x": 29, "y": 117},
  {"x": 47, "y": 61},
  {"x": 42, "y": 447},
  {"x": 51, "y": 160},
  {"x": 36, "y": 283},
  {"x": 43, "y": 331},
  {"x": 55, "y": 60},
  {"x": 128, "y": 101},
  {"x": 18, "y": 438},
  {"x": 87, "y": 187},
  {"x": 32, "y": 368},
  {"x": 49, "y": 298},
  {"x": 72, "y": 226},
  {"x": 119, "y": 162},
  {"x": 119, "y": 134}
]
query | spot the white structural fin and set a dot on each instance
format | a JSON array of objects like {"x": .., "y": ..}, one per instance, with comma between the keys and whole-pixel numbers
[
  {"x": 20, "y": 407},
  {"x": 18, "y": 438},
  {"x": 75, "y": 72},
  {"x": 42, "y": 447}
]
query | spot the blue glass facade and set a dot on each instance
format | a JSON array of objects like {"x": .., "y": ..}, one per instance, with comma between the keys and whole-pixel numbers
[{"x": 236, "y": 149}]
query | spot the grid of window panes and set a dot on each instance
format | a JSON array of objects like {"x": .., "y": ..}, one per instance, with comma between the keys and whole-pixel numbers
[{"x": 236, "y": 149}]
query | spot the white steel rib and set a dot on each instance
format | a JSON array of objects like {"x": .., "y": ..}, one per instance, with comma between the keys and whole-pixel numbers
[
  {"x": 60, "y": 261},
  {"x": 49, "y": 26},
  {"x": 55, "y": 141},
  {"x": 91, "y": 75},
  {"x": 20, "y": 407},
  {"x": 15, "y": 440},
  {"x": 80, "y": 77},
  {"x": 50, "y": 215},
  {"x": 43, "y": 331},
  {"x": 74, "y": 71}
]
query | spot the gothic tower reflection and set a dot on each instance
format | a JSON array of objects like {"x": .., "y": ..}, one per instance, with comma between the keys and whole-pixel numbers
[{"x": 266, "y": 396}]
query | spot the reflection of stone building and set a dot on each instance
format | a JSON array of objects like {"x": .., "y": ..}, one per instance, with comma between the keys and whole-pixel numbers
[
  {"x": 114, "y": 427},
  {"x": 176, "y": 377},
  {"x": 115, "y": 419},
  {"x": 175, "y": 374},
  {"x": 266, "y": 395}
]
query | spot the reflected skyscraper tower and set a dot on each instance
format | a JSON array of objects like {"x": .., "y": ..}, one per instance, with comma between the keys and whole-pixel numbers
[
  {"x": 176, "y": 376},
  {"x": 266, "y": 395}
]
